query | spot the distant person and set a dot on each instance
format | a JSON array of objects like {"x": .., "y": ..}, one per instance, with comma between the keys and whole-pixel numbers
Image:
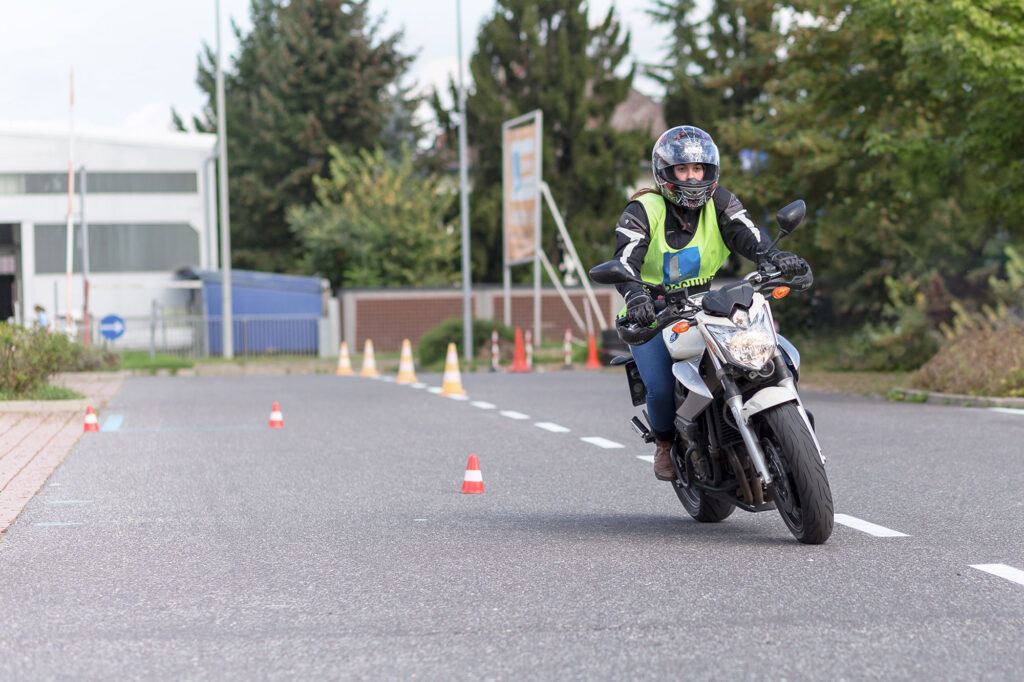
[
  {"x": 679, "y": 235},
  {"x": 42, "y": 319}
]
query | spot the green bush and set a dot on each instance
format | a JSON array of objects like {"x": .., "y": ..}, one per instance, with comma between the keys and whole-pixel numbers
[
  {"x": 29, "y": 356},
  {"x": 433, "y": 345}
]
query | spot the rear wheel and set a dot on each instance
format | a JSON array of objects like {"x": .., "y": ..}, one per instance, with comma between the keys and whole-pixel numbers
[
  {"x": 701, "y": 507},
  {"x": 799, "y": 485}
]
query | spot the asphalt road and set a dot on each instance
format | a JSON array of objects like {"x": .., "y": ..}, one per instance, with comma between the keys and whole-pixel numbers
[{"x": 193, "y": 542}]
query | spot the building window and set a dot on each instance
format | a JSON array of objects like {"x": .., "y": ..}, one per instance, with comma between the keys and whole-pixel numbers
[
  {"x": 152, "y": 247},
  {"x": 101, "y": 183}
]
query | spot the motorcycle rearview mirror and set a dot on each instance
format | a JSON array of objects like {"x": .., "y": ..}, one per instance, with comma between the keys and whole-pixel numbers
[
  {"x": 611, "y": 272},
  {"x": 789, "y": 217}
]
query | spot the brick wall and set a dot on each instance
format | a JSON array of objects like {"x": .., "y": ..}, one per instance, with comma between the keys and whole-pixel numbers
[{"x": 389, "y": 315}]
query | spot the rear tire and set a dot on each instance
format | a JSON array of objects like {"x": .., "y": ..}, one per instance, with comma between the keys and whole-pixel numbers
[
  {"x": 701, "y": 507},
  {"x": 799, "y": 487}
]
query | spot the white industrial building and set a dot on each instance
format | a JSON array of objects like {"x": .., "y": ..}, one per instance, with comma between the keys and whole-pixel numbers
[{"x": 149, "y": 209}]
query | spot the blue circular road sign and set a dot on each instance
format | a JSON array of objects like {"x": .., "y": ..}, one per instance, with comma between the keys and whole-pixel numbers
[{"x": 111, "y": 327}]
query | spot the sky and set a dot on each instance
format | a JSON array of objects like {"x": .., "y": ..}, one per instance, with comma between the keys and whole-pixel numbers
[{"x": 134, "y": 60}]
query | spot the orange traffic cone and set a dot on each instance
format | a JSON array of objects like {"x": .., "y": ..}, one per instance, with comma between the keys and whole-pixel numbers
[
  {"x": 90, "y": 420},
  {"x": 276, "y": 420},
  {"x": 369, "y": 363},
  {"x": 406, "y": 371},
  {"x": 519, "y": 359},
  {"x": 473, "y": 481},
  {"x": 592, "y": 361},
  {"x": 344, "y": 362},
  {"x": 452, "y": 383}
]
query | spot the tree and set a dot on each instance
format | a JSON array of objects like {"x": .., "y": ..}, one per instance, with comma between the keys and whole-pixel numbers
[
  {"x": 377, "y": 222},
  {"x": 311, "y": 74},
  {"x": 715, "y": 65},
  {"x": 544, "y": 55},
  {"x": 856, "y": 122}
]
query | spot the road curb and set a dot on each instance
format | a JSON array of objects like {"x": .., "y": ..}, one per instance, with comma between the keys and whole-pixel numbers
[
  {"x": 914, "y": 395},
  {"x": 75, "y": 405}
]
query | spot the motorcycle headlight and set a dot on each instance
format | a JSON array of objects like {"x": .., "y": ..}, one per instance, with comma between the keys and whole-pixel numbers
[{"x": 750, "y": 345}]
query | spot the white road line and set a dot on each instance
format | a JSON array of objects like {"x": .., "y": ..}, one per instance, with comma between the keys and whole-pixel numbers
[
  {"x": 483, "y": 405},
  {"x": 868, "y": 527},
  {"x": 1006, "y": 410},
  {"x": 553, "y": 428},
  {"x": 435, "y": 389},
  {"x": 457, "y": 397},
  {"x": 1003, "y": 571},
  {"x": 418, "y": 384},
  {"x": 646, "y": 458},
  {"x": 512, "y": 414},
  {"x": 602, "y": 442}
]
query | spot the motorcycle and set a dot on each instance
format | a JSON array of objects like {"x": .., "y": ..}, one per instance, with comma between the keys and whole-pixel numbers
[{"x": 744, "y": 439}]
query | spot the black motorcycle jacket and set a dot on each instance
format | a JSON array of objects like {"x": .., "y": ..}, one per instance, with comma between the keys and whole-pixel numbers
[{"x": 633, "y": 233}]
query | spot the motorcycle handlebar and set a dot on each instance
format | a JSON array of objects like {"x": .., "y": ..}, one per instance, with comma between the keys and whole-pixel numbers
[{"x": 766, "y": 276}]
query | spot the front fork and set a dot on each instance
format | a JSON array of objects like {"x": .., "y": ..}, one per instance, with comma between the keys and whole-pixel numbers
[{"x": 734, "y": 401}]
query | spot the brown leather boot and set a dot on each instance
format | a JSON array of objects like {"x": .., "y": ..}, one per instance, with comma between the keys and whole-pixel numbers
[{"x": 663, "y": 469}]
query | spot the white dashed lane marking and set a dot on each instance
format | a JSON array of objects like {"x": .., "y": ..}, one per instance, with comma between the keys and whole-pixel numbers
[
  {"x": 602, "y": 442},
  {"x": 646, "y": 458},
  {"x": 456, "y": 396},
  {"x": 483, "y": 405},
  {"x": 553, "y": 428},
  {"x": 868, "y": 527},
  {"x": 1003, "y": 571},
  {"x": 435, "y": 389},
  {"x": 512, "y": 414}
]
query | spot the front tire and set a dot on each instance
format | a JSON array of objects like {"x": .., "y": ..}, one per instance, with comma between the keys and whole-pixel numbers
[
  {"x": 701, "y": 507},
  {"x": 799, "y": 487}
]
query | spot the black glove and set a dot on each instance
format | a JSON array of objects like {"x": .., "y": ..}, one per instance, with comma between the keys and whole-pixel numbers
[
  {"x": 789, "y": 263},
  {"x": 640, "y": 309}
]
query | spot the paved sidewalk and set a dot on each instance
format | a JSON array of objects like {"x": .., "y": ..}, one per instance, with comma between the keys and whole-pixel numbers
[{"x": 33, "y": 444}]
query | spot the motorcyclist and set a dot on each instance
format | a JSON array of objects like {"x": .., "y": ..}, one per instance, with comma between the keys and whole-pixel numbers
[{"x": 679, "y": 235}]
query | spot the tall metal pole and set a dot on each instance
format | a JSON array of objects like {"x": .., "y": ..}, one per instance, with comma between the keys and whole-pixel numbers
[
  {"x": 82, "y": 179},
  {"x": 70, "y": 250},
  {"x": 227, "y": 337},
  {"x": 467, "y": 315}
]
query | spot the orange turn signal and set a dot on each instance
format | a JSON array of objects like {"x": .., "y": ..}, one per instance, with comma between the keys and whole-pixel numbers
[
  {"x": 779, "y": 292},
  {"x": 680, "y": 327}
]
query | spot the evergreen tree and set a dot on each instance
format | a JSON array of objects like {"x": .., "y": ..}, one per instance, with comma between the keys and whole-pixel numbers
[
  {"x": 310, "y": 74},
  {"x": 543, "y": 54}
]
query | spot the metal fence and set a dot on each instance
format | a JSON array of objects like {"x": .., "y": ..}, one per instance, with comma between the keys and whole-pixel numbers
[{"x": 198, "y": 336}]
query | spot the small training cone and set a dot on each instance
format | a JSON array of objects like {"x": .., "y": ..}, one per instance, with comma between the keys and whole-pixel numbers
[
  {"x": 90, "y": 420},
  {"x": 452, "y": 384},
  {"x": 473, "y": 481},
  {"x": 276, "y": 420},
  {"x": 344, "y": 362},
  {"x": 369, "y": 363},
  {"x": 592, "y": 361},
  {"x": 406, "y": 371},
  {"x": 519, "y": 359},
  {"x": 567, "y": 349}
]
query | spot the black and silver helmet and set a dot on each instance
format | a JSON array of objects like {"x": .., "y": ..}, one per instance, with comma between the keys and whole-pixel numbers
[{"x": 685, "y": 144}]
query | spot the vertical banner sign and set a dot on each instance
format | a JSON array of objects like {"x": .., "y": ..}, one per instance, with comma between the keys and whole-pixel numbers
[{"x": 521, "y": 187}]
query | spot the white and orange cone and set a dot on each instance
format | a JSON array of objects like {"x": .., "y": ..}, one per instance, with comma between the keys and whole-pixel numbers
[
  {"x": 406, "y": 370},
  {"x": 473, "y": 481},
  {"x": 276, "y": 420},
  {"x": 529, "y": 350},
  {"x": 90, "y": 420},
  {"x": 369, "y": 363},
  {"x": 452, "y": 384},
  {"x": 344, "y": 362},
  {"x": 567, "y": 349}
]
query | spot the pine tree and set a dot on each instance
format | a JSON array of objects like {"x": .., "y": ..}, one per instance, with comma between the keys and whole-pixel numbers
[
  {"x": 310, "y": 74},
  {"x": 544, "y": 55}
]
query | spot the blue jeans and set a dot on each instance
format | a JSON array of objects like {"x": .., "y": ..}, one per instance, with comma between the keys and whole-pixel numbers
[{"x": 655, "y": 365}]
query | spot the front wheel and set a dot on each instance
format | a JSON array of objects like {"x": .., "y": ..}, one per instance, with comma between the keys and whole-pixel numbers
[
  {"x": 799, "y": 485},
  {"x": 701, "y": 507}
]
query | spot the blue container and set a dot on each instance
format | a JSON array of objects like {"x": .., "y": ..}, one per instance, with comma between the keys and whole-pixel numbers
[{"x": 272, "y": 313}]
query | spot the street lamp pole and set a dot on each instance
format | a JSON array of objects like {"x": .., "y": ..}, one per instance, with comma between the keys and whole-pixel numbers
[
  {"x": 227, "y": 337},
  {"x": 467, "y": 315}
]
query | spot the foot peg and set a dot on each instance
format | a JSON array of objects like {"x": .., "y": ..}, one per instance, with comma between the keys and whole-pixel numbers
[{"x": 642, "y": 429}]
